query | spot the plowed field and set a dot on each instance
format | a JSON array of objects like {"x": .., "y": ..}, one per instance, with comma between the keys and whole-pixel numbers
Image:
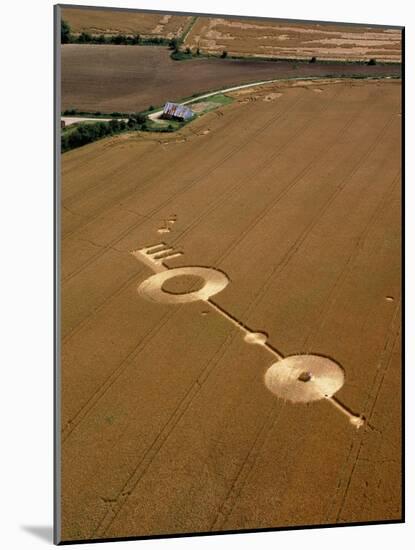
[{"x": 131, "y": 78}]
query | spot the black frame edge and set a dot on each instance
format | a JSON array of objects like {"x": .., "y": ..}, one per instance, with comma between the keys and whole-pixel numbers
[{"x": 56, "y": 277}]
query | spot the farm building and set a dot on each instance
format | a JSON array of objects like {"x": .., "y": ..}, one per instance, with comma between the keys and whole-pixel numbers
[{"x": 175, "y": 111}]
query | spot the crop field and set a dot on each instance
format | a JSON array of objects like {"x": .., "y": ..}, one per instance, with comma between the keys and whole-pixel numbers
[
  {"x": 131, "y": 78},
  {"x": 294, "y": 40},
  {"x": 245, "y": 37},
  {"x": 125, "y": 22},
  {"x": 291, "y": 195}
]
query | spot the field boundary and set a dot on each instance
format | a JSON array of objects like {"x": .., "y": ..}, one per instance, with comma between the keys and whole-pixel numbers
[
  {"x": 87, "y": 132},
  {"x": 272, "y": 81},
  {"x": 189, "y": 28}
]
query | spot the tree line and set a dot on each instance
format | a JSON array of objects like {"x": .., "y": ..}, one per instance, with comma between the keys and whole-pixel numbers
[
  {"x": 67, "y": 37},
  {"x": 175, "y": 43},
  {"x": 88, "y": 132}
]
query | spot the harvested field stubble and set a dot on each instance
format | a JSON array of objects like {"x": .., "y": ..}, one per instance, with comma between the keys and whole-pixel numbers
[
  {"x": 124, "y": 22},
  {"x": 167, "y": 424},
  {"x": 294, "y": 40}
]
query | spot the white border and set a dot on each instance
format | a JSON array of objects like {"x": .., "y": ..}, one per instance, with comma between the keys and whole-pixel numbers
[{"x": 26, "y": 244}]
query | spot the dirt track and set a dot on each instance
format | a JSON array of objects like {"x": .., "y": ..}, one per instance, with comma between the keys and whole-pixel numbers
[
  {"x": 131, "y": 78},
  {"x": 294, "y": 193}
]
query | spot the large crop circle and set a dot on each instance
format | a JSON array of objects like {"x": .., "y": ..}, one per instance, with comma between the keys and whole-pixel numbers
[
  {"x": 214, "y": 282},
  {"x": 304, "y": 378}
]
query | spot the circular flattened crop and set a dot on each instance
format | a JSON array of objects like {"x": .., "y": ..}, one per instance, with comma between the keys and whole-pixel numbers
[
  {"x": 214, "y": 282},
  {"x": 304, "y": 378}
]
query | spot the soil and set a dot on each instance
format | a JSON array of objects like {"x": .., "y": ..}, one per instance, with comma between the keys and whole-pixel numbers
[
  {"x": 131, "y": 78},
  {"x": 167, "y": 424}
]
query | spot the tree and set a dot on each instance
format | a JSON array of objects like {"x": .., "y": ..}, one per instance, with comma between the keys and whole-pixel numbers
[
  {"x": 65, "y": 32},
  {"x": 372, "y": 61},
  {"x": 119, "y": 39},
  {"x": 224, "y": 54},
  {"x": 313, "y": 59},
  {"x": 140, "y": 118},
  {"x": 136, "y": 119},
  {"x": 174, "y": 44},
  {"x": 100, "y": 129},
  {"x": 114, "y": 125},
  {"x": 84, "y": 38}
]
